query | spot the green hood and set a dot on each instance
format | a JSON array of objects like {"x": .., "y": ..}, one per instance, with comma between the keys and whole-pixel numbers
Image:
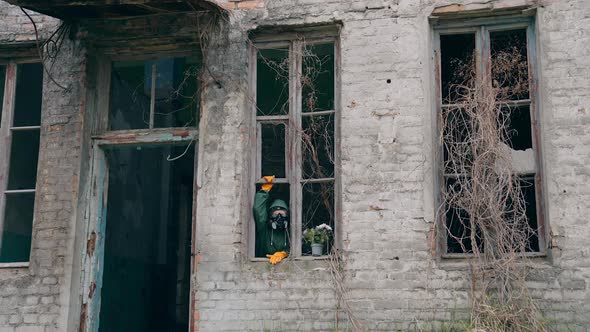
[{"x": 279, "y": 204}]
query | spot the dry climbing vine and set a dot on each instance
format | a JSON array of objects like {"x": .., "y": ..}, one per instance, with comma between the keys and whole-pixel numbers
[{"x": 484, "y": 194}]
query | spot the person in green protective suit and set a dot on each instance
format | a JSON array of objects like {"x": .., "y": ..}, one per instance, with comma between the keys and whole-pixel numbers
[{"x": 272, "y": 224}]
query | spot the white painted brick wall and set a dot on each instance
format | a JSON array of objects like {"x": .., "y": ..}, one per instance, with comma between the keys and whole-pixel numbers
[{"x": 393, "y": 278}]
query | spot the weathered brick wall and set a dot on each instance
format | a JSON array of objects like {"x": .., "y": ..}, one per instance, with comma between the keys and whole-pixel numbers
[
  {"x": 387, "y": 190},
  {"x": 33, "y": 299}
]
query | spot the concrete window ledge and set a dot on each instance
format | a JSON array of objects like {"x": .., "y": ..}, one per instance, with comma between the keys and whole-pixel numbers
[{"x": 14, "y": 265}]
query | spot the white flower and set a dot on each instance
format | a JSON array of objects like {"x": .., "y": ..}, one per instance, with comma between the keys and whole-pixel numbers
[{"x": 324, "y": 226}]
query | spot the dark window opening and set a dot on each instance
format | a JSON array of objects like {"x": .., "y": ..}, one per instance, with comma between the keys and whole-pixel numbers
[
  {"x": 272, "y": 82},
  {"x": 458, "y": 222},
  {"x": 510, "y": 64},
  {"x": 459, "y": 225},
  {"x": 457, "y": 153},
  {"x": 29, "y": 87},
  {"x": 318, "y": 208},
  {"x": 15, "y": 245},
  {"x": 130, "y": 96},
  {"x": 24, "y": 155},
  {"x": 146, "y": 278},
  {"x": 527, "y": 186},
  {"x": 457, "y": 64},
  {"x": 517, "y": 121},
  {"x": 174, "y": 94},
  {"x": 317, "y": 146},
  {"x": 317, "y": 78},
  {"x": 21, "y": 174},
  {"x": 273, "y": 150}
]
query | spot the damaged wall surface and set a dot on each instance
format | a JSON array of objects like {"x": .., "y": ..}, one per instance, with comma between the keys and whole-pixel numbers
[{"x": 386, "y": 172}]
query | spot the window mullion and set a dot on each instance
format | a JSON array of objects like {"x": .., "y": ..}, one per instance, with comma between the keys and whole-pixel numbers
[
  {"x": 153, "y": 96},
  {"x": 295, "y": 139}
]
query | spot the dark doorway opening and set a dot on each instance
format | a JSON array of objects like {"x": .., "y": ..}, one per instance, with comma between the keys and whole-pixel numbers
[{"x": 146, "y": 278}]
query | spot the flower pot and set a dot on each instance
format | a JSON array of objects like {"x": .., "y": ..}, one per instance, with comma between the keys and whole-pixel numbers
[{"x": 317, "y": 249}]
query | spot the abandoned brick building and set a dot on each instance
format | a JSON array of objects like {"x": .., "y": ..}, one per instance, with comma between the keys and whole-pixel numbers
[{"x": 135, "y": 134}]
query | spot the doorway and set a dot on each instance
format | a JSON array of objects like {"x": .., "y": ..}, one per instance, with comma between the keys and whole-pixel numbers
[{"x": 147, "y": 242}]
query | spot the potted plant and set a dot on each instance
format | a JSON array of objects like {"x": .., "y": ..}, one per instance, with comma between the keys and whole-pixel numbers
[{"x": 317, "y": 237}]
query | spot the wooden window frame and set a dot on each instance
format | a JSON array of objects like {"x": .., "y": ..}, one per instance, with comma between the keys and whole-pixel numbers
[
  {"x": 104, "y": 67},
  {"x": 6, "y": 129},
  {"x": 481, "y": 27},
  {"x": 294, "y": 41}
]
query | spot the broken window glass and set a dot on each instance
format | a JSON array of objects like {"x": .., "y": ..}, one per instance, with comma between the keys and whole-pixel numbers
[
  {"x": 2, "y": 82},
  {"x": 317, "y": 146},
  {"x": 462, "y": 64},
  {"x": 317, "y": 77},
  {"x": 15, "y": 245},
  {"x": 273, "y": 150},
  {"x": 176, "y": 92},
  {"x": 510, "y": 63},
  {"x": 272, "y": 82},
  {"x": 130, "y": 95},
  {"x": 24, "y": 154},
  {"x": 457, "y": 64},
  {"x": 29, "y": 87},
  {"x": 317, "y": 208},
  {"x": 517, "y": 124},
  {"x": 147, "y": 248}
]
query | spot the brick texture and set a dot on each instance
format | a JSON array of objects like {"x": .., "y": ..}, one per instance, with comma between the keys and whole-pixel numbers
[{"x": 394, "y": 280}]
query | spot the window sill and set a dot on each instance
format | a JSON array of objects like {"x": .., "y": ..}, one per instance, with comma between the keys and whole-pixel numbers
[
  {"x": 14, "y": 265},
  {"x": 300, "y": 258},
  {"x": 468, "y": 256},
  {"x": 460, "y": 261}
]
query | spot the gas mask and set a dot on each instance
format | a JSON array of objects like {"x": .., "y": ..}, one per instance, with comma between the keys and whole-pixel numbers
[{"x": 279, "y": 222}]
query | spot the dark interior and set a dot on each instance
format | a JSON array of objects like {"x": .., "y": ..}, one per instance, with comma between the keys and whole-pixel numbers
[{"x": 148, "y": 239}]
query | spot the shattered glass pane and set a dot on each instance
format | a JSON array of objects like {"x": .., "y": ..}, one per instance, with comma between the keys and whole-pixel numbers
[
  {"x": 317, "y": 208},
  {"x": 29, "y": 89},
  {"x": 130, "y": 95},
  {"x": 272, "y": 82},
  {"x": 2, "y": 81},
  {"x": 517, "y": 124},
  {"x": 15, "y": 245},
  {"x": 273, "y": 150},
  {"x": 510, "y": 64},
  {"x": 317, "y": 77},
  {"x": 176, "y": 92},
  {"x": 457, "y": 64},
  {"x": 24, "y": 154},
  {"x": 317, "y": 146}
]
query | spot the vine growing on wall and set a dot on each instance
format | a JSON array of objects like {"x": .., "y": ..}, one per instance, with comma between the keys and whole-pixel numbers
[{"x": 483, "y": 194}]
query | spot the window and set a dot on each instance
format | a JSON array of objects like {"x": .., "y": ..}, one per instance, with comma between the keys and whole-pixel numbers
[
  {"x": 296, "y": 130},
  {"x": 487, "y": 82},
  {"x": 21, "y": 86},
  {"x": 154, "y": 93}
]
